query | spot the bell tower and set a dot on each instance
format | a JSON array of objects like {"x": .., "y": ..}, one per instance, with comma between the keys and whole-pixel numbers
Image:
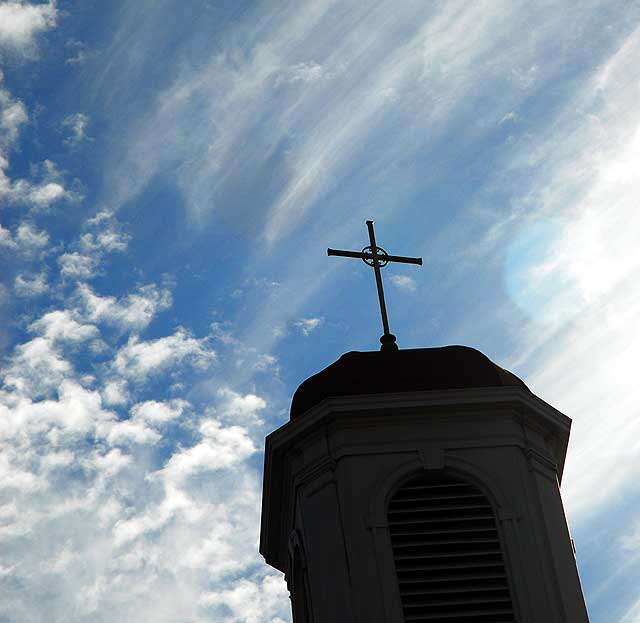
[{"x": 420, "y": 485}]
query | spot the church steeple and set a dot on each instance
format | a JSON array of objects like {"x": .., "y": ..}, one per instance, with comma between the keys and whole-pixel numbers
[{"x": 420, "y": 486}]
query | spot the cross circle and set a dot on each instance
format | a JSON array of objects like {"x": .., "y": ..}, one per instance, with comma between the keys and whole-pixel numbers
[{"x": 379, "y": 252}]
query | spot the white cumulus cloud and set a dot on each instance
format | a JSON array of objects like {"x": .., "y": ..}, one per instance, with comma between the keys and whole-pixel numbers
[
  {"x": 13, "y": 114},
  {"x": 30, "y": 285},
  {"x": 20, "y": 22},
  {"x": 77, "y": 266},
  {"x": 26, "y": 240},
  {"x": 132, "y": 312},
  {"x": 39, "y": 194},
  {"x": 239, "y": 408},
  {"x": 155, "y": 412},
  {"x": 403, "y": 282},
  {"x": 137, "y": 360},
  {"x": 221, "y": 447},
  {"x": 36, "y": 368},
  {"x": 104, "y": 235},
  {"x": 307, "y": 325},
  {"x": 76, "y": 125},
  {"x": 45, "y": 194},
  {"x": 131, "y": 432},
  {"x": 61, "y": 326}
]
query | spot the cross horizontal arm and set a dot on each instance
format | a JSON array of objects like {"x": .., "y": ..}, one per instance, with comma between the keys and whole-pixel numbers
[
  {"x": 401, "y": 259},
  {"x": 389, "y": 258},
  {"x": 357, "y": 254}
]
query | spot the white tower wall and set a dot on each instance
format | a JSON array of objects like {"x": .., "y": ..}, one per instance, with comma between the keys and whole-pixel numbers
[{"x": 329, "y": 475}]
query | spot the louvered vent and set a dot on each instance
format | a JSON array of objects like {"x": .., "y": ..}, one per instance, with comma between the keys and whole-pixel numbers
[{"x": 447, "y": 553}]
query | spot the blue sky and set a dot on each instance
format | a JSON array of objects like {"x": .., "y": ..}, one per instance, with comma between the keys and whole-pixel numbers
[{"x": 171, "y": 174}]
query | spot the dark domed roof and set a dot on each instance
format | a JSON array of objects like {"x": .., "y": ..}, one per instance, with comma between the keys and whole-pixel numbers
[{"x": 409, "y": 370}]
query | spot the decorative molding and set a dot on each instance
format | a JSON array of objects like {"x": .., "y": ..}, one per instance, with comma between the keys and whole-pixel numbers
[
  {"x": 317, "y": 477},
  {"x": 507, "y": 514},
  {"x": 480, "y": 477},
  {"x": 541, "y": 463},
  {"x": 432, "y": 457},
  {"x": 377, "y": 515},
  {"x": 490, "y": 397},
  {"x": 315, "y": 469}
]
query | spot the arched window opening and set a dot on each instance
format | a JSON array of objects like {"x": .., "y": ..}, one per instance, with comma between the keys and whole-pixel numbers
[{"x": 447, "y": 553}]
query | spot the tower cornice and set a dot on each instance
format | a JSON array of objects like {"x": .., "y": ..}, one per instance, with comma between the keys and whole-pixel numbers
[{"x": 509, "y": 416}]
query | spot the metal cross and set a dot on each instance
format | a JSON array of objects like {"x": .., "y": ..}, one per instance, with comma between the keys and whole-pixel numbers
[{"x": 377, "y": 257}]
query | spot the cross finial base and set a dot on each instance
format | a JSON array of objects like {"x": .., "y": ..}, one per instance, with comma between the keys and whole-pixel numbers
[{"x": 388, "y": 341}]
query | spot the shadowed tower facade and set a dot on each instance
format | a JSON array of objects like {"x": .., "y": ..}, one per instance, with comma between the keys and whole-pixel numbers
[{"x": 420, "y": 485}]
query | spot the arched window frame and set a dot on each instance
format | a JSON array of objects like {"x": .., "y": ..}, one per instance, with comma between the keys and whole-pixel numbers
[
  {"x": 377, "y": 522},
  {"x": 297, "y": 579}
]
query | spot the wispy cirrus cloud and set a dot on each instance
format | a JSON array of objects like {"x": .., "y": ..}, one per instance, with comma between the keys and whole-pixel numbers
[
  {"x": 325, "y": 103},
  {"x": 576, "y": 264},
  {"x": 322, "y": 116}
]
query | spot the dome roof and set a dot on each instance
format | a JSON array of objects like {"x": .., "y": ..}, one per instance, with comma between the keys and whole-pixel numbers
[{"x": 409, "y": 370}]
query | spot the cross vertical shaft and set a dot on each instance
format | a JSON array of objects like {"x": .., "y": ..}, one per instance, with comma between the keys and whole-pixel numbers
[{"x": 376, "y": 270}]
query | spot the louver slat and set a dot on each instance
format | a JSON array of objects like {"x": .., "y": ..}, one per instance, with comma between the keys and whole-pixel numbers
[{"x": 447, "y": 553}]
